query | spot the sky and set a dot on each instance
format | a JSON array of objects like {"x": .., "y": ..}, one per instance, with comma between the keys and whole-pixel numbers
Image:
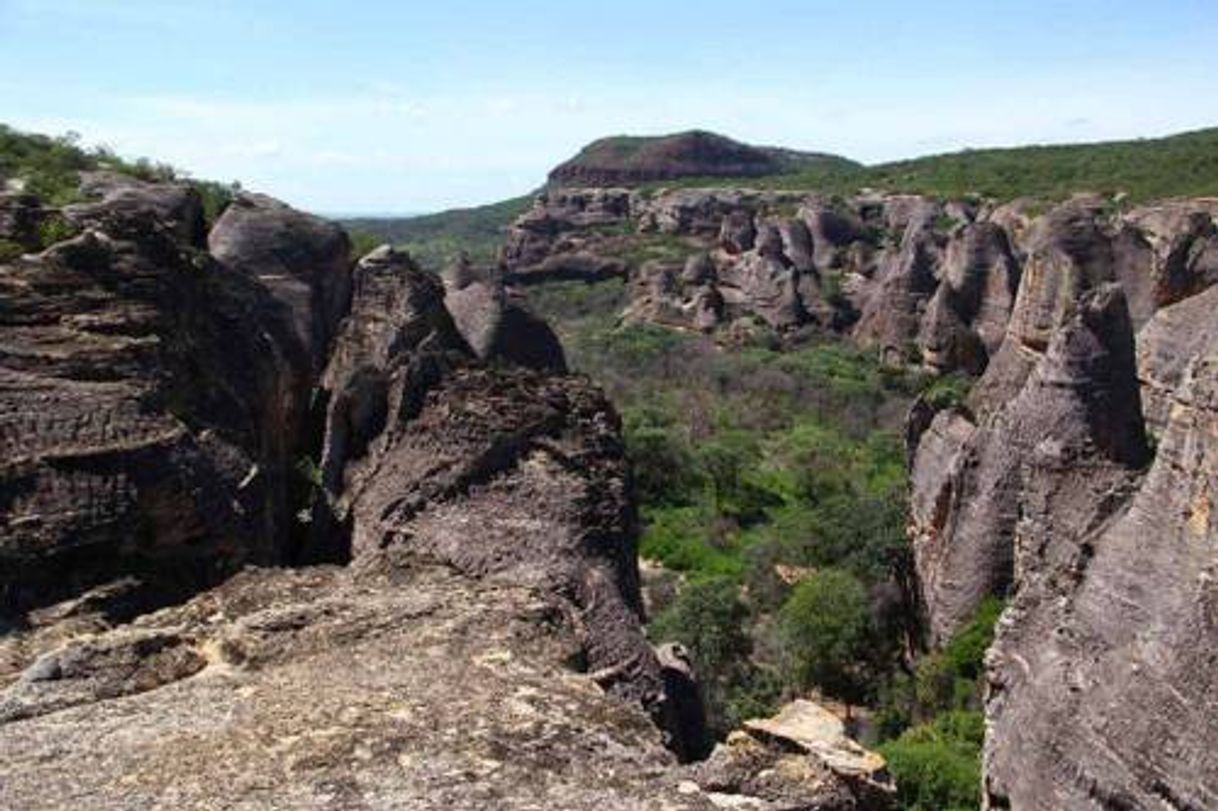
[{"x": 381, "y": 107}]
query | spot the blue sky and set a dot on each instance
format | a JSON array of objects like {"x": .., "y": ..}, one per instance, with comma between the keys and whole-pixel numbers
[{"x": 411, "y": 106}]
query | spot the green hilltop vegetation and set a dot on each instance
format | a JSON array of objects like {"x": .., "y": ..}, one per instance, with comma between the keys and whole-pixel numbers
[
  {"x": 48, "y": 167},
  {"x": 1184, "y": 165}
]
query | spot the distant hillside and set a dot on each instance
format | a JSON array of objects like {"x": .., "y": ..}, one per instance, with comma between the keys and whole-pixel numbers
[
  {"x": 1183, "y": 165},
  {"x": 435, "y": 238},
  {"x": 629, "y": 160}
]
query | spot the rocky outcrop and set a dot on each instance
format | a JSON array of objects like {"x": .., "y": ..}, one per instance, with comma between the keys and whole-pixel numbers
[
  {"x": 914, "y": 280},
  {"x": 1101, "y": 675},
  {"x": 176, "y": 207},
  {"x": 1168, "y": 346},
  {"x": 968, "y": 472},
  {"x": 499, "y": 471},
  {"x": 303, "y": 260},
  {"x": 377, "y": 687},
  {"x": 496, "y": 322},
  {"x": 150, "y": 408},
  {"x": 627, "y": 160},
  {"x": 800, "y": 758}
]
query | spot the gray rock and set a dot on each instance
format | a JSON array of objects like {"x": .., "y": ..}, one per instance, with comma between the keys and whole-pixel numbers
[
  {"x": 1102, "y": 670},
  {"x": 151, "y": 409},
  {"x": 497, "y": 323},
  {"x": 967, "y": 479},
  {"x": 303, "y": 260}
]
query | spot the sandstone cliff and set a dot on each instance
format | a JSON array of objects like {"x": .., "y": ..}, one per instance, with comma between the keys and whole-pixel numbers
[{"x": 1044, "y": 487}]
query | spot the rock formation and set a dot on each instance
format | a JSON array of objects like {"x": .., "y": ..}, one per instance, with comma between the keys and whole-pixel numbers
[
  {"x": 800, "y": 758},
  {"x": 628, "y": 160},
  {"x": 914, "y": 280},
  {"x": 152, "y": 407},
  {"x": 1043, "y": 487},
  {"x": 496, "y": 322},
  {"x": 302, "y": 260},
  {"x": 1102, "y": 673}
]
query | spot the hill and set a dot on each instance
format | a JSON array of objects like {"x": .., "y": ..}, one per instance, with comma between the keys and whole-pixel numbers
[
  {"x": 630, "y": 160},
  {"x": 434, "y": 238}
]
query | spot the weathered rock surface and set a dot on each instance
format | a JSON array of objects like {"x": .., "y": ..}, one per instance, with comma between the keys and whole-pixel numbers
[
  {"x": 1102, "y": 675},
  {"x": 799, "y": 759},
  {"x": 303, "y": 260},
  {"x": 173, "y": 206},
  {"x": 497, "y": 323},
  {"x": 150, "y": 406},
  {"x": 968, "y": 481},
  {"x": 1168, "y": 346},
  {"x": 381, "y": 687}
]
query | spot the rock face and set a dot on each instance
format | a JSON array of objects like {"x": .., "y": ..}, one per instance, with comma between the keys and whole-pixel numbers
[
  {"x": 150, "y": 407},
  {"x": 1042, "y": 487},
  {"x": 499, "y": 471},
  {"x": 1102, "y": 672},
  {"x": 627, "y": 160},
  {"x": 303, "y": 260}
]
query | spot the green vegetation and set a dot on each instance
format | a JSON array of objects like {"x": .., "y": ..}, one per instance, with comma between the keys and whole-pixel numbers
[
  {"x": 434, "y": 239},
  {"x": 774, "y": 483},
  {"x": 711, "y": 620},
  {"x": 49, "y": 167},
  {"x": 937, "y": 766},
  {"x": 1184, "y": 165},
  {"x": 936, "y": 762},
  {"x": 826, "y": 624}
]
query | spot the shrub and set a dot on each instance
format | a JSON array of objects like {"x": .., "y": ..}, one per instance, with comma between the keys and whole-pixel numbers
[
  {"x": 937, "y": 766},
  {"x": 826, "y": 632},
  {"x": 710, "y": 620}
]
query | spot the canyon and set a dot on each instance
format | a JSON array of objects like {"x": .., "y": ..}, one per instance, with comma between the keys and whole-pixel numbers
[{"x": 281, "y": 527}]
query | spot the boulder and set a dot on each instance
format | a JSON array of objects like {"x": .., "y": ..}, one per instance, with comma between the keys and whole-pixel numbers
[
  {"x": 800, "y": 758},
  {"x": 737, "y": 232},
  {"x": 497, "y": 323},
  {"x": 173, "y": 206},
  {"x": 303, "y": 260}
]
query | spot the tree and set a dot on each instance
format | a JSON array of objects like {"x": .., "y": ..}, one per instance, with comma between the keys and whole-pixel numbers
[
  {"x": 826, "y": 631},
  {"x": 710, "y": 620}
]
